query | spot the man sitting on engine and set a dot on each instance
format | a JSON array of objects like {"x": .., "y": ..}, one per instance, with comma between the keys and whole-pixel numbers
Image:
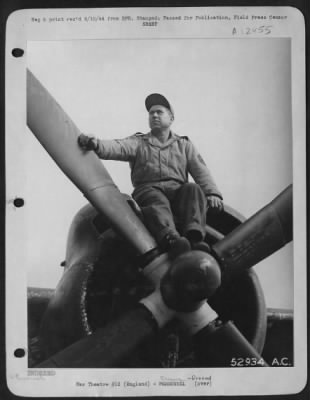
[{"x": 174, "y": 209}]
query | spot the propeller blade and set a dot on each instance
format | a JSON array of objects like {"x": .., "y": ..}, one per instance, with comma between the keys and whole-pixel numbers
[
  {"x": 109, "y": 346},
  {"x": 257, "y": 238},
  {"x": 271, "y": 228},
  {"x": 222, "y": 345},
  {"x": 58, "y": 135}
]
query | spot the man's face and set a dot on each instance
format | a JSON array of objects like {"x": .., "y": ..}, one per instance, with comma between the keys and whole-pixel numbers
[{"x": 160, "y": 118}]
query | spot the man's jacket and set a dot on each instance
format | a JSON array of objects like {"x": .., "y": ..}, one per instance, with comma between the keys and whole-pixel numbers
[{"x": 152, "y": 161}]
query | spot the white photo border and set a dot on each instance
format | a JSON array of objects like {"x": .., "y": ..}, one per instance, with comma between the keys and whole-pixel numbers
[{"x": 22, "y": 28}]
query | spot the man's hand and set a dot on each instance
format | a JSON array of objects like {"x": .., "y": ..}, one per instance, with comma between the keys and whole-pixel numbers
[
  {"x": 87, "y": 142},
  {"x": 215, "y": 203}
]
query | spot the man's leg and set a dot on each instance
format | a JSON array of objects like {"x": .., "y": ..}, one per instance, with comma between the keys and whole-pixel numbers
[
  {"x": 159, "y": 219},
  {"x": 190, "y": 208}
]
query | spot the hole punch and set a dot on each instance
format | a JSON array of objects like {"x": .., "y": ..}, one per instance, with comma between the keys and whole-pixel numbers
[
  {"x": 17, "y": 52},
  {"x": 19, "y": 353},
  {"x": 19, "y": 202}
]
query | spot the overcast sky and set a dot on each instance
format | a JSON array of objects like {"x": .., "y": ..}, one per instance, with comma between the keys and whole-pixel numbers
[{"x": 230, "y": 96}]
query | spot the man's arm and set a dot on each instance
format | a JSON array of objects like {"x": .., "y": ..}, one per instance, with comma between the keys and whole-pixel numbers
[
  {"x": 202, "y": 176},
  {"x": 118, "y": 149}
]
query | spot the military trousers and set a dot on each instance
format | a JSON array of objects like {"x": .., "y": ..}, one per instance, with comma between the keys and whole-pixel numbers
[{"x": 170, "y": 207}]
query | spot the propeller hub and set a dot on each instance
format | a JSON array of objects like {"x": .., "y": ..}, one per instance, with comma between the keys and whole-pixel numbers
[{"x": 192, "y": 278}]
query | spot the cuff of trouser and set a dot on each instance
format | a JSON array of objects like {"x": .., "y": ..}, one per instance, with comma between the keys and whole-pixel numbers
[
  {"x": 164, "y": 232},
  {"x": 194, "y": 227},
  {"x": 214, "y": 194}
]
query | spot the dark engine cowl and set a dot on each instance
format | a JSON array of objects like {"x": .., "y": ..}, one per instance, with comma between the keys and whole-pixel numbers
[{"x": 102, "y": 281}]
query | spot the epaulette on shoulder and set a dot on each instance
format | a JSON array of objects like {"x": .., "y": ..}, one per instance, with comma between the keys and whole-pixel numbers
[
  {"x": 139, "y": 134},
  {"x": 184, "y": 137}
]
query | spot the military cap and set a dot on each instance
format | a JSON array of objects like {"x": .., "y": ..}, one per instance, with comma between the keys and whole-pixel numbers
[{"x": 156, "y": 99}]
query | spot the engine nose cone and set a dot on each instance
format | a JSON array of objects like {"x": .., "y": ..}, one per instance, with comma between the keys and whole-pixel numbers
[{"x": 192, "y": 278}]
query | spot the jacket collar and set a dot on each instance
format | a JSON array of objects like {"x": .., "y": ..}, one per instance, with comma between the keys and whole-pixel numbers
[{"x": 156, "y": 143}]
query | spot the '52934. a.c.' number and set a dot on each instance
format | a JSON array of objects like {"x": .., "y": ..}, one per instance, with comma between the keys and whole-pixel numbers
[{"x": 246, "y": 362}]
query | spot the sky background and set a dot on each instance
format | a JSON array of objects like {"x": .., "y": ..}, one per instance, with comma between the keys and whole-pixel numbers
[{"x": 231, "y": 97}]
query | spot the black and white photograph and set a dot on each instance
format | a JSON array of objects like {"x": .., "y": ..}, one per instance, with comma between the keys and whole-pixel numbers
[{"x": 158, "y": 201}]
